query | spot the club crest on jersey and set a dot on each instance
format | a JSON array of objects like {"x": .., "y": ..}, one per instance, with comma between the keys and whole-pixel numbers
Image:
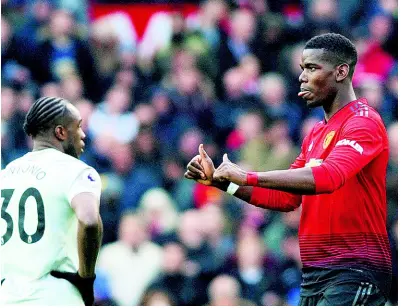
[{"x": 328, "y": 138}]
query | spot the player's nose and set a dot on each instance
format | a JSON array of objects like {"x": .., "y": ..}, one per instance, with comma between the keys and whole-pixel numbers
[{"x": 302, "y": 77}]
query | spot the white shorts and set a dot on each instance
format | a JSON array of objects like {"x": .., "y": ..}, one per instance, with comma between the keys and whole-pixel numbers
[{"x": 45, "y": 291}]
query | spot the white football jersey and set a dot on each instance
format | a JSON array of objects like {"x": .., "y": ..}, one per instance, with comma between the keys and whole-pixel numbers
[{"x": 38, "y": 226}]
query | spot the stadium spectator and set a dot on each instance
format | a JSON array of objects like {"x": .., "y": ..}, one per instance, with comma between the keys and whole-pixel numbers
[
  {"x": 201, "y": 264},
  {"x": 118, "y": 123},
  {"x": 225, "y": 290},
  {"x": 239, "y": 40},
  {"x": 173, "y": 278},
  {"x": 157, "y": 298},
  {"x": 214, "y": 226},
  {"x": 322, "y": 17},
  {"x": 35, "y": 27},
  {"x": 159, "y": 213},
  {"x": 273, "y": 94},
  {"x": 254, "y": 270},
  {"x": 207, "y": 20},
  {"x": 64, "y": 54},
  {"x": 132, "y": 262},
  {"x": 72, "y": 88}
]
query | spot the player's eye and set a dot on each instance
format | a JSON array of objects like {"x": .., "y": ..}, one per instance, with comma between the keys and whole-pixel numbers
[{"x": 312, "y": 69}]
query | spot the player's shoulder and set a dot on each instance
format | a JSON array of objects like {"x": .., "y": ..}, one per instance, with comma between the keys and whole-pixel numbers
[
  {"x": 79, "y": 164},
  {"x": 79, "y": 169},
  {"x": 360, "y": 109},
  {"x": 69, "y": 165},
  {"x": 67, "y": 161},
  {"x": 363, "y": 115},
  {"x": 12, "y": 164}
]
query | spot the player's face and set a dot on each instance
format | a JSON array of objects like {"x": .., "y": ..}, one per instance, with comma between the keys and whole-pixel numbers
[
  {"x": 318, "y": 83},
  {"x": 74, "y": 145}
]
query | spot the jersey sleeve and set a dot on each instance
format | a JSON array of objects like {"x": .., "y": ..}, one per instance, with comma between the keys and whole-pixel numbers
[
  {"x": 275, "y": 200},
  {"x": 87, "y": 181},
  {"x": 279, "y": 200},
  {"x": 361, "y": 140}
]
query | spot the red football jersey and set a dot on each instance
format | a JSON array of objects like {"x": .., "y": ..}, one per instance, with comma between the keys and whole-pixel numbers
[{"x": 344, "y": 224}]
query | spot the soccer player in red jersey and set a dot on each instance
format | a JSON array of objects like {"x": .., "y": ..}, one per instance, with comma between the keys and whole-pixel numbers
[{"x": 339, "y": 178}]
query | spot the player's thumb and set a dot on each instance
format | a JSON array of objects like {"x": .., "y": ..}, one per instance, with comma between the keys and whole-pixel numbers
[
  {"x": 225, "y": 158},
  {"x": 202, "y": 152}
]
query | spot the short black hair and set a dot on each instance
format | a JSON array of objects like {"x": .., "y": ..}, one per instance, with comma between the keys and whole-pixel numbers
[
  {"x": 43, "y": 115},
  {"x": 340, "y": 49}
]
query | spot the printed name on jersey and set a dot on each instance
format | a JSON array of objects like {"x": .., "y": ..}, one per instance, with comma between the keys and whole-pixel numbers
[
  {"x": 360, "y": 109},
  {"x": 328, "y": 138},
  {"x": 314, "y": 162},
  {"x": 30, "y": 169},
  {"x": 351, "y": 143}
]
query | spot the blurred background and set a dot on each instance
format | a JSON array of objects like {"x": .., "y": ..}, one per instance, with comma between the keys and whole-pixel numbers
[{"x": 153, "y": 80}]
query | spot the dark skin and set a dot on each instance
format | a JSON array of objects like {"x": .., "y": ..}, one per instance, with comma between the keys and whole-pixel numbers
[
  {"x": 67, "y": 137},
  {"x": 321, "y": 84}
]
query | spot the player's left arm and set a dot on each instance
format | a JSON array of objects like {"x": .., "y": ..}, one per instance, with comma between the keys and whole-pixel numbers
[
  {"x": 360, "y": 142},
  {"x": 297, "y": 181},
  {"x": 84, "y": 197}
]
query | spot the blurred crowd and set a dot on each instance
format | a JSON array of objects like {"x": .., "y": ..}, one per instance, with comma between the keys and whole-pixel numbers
[{"x": 225, "y": 76}]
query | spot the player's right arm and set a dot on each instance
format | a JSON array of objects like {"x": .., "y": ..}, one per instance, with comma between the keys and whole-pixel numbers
[{"x": 201, "y": 169}]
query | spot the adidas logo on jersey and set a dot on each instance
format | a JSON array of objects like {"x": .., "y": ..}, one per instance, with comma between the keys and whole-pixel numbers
[
  {"x": 351, "y": 143},
  {"x": 360, "y": 109}
]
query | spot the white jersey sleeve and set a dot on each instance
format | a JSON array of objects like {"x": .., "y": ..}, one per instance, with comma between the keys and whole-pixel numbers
[{"x": 87, "y": 181}]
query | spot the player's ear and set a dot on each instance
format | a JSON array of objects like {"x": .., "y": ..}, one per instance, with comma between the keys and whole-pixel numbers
[
  {"x": 60, "y": 132},
  {"x": 342, "y": 72}
]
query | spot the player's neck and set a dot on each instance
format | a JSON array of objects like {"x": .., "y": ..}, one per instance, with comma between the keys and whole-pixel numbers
[
  {"x": 341, "y": 99},
  {"x": 40, "y": 144}
]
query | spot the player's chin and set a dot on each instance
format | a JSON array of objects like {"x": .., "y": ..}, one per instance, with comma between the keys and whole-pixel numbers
[
  {"x": 78, "y": 152},
  {"x": 312, "y": 103}
]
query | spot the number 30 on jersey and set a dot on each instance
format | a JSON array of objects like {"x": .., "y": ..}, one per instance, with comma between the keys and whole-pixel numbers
[{"x": 7, "y": 194}]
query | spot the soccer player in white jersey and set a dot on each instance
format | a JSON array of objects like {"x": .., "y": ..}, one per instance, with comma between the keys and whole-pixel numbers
[{"x": 51, "y": 229}]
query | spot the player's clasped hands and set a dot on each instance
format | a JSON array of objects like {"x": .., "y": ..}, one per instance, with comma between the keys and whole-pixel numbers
[
  {"x": 228, "y": 171},
  {"x": 202, "y": 170}
]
